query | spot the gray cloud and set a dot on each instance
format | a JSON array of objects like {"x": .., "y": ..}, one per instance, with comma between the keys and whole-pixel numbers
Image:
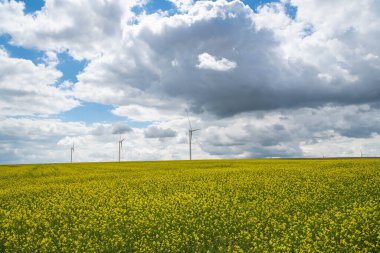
[
  {"x": 277, "y": 65},
  {"x": 286, "y": 133},
  {"x": 8, "y": 155},
  {"x": 157, "y": 132},
  {"x": 120, "y": 128},
  {"x": 248, "y": 139},
  {"x": 159, "y": 58},
  {"x": 100, "y": 129},
  {"x": 294, "y": 133}
]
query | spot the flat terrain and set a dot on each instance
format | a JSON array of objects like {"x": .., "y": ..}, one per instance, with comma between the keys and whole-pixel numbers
[{"x": 180, "y": 206}]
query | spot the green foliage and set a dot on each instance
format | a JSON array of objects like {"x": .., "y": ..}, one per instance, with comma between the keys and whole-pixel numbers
[{"x": 198, "y": 206}]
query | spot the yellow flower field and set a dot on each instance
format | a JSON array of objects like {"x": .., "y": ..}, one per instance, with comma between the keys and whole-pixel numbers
[{"x": 199, "y": 206}]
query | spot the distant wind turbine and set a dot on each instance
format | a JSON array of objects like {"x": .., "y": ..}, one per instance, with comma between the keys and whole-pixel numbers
[
  {"x": 191, "y": 131},
  {"x": 120, "y": 146},
  {"x": 72, "y": 151}
]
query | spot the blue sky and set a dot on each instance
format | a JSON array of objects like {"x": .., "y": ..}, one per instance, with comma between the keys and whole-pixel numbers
[
  {"x": 20, "y": 52},
  {"x": 33, "y": 5},
  {"x": 291, "y": 79}
]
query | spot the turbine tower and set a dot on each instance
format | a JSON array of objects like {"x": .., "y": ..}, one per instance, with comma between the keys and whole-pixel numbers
[
  {"x": 120, "y": 146},
  {"x": 72, "y": 151},
  {"x": 191, "y": 131}
]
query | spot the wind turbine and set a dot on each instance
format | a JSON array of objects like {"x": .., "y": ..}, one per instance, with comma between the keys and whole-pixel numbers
[
  {"x": 72, "y": 151},
  {"x": 120, "y": 146},
  {"x": 191, "y": 131}
]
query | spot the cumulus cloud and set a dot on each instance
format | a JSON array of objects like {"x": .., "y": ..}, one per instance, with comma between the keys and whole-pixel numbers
[
  {"x": 277, "y": 62},
  {"x": 28, "y": 89},
  {"x": 47, "y": 140},
  {"x": 295, "y": 133},
  {"x": 31, "y": 140},
  {"x": 145, "y": 64},
  {"x": 84, "y": 28},
  {"x": 207, "y": 61},
  {"x": 273, "y": 62},
  {"x": 275, "y": 65},
  {"x": 326, "y": 131}
]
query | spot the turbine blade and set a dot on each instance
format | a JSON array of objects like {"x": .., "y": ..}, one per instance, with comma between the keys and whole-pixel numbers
[{"x": 187, "y": 113}]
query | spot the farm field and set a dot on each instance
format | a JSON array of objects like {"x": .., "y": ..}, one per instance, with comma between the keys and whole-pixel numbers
[{"x": 256, "y": 205}]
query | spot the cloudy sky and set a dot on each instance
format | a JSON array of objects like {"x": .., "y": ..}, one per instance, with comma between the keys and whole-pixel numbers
[{"x": 290, "y": 78}]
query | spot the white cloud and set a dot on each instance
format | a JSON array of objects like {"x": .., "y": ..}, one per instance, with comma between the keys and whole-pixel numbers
[
  {"x": 86, "y": 28},
  {"x": 370, "y": 57},
  {"x": 155, "y": 57},
  {"x": 182, "y": 5},
  {"x": 329, "y": 131},
  {"x": 51, "y": 59},
  {"x": 207, "y": 61},
  {"x": 326, "y": 77},
  {"x": 144, "y": 113},
  {"x": 163, "y": 59},
  {"x": 45, "y": 140},
  {"x": 28, "y": 89}
]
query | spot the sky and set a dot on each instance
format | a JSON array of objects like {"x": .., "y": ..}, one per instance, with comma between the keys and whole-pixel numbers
[{"x": 260, "y": 79}]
